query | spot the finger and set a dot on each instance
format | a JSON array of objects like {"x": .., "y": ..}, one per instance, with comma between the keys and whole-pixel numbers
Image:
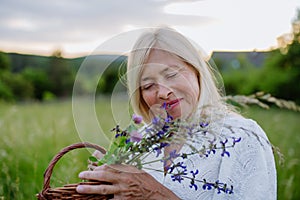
[
  {"x": 97, "y": 189},
  {"x": 99, "y": 175},
  {"x": 124, "y": 168},
  {"x": 98, "y": 154}
]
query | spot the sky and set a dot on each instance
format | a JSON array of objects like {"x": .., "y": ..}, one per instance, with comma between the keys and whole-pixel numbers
[{"x": 78, "y": 27}]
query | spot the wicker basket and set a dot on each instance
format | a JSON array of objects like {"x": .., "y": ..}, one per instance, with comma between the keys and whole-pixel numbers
[{"x": 69, "y": 191}]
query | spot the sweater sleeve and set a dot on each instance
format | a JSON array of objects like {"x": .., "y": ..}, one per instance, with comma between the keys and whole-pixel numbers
[{"x": 251, "y": 166}]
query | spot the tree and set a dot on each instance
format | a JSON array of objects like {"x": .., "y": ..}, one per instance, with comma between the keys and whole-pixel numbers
[
  {"x": 39, "y": 80},
  {"x": 281, "y": 72},
  {"x": 4, "y": 62},
  {"x": 61, "y": 76},
  {"x": 16, "y": 86}
]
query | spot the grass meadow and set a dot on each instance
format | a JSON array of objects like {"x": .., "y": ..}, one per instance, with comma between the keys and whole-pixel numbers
[{"x": 32, "y": 133}]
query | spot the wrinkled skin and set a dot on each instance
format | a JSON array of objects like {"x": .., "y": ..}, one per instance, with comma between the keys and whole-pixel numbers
[
  {"x": 127, "y": 182},
  {"x": 167, "y": 79}
]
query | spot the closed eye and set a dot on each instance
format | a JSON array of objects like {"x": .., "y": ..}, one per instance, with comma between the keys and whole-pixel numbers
[
  {"x": 147, "y": 86},
  {"x": 171, "y": 75}
]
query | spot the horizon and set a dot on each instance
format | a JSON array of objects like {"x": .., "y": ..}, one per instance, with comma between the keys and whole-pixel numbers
[
  {"x": 116, "y": 54},
  {"x": 78, "y": 28}
]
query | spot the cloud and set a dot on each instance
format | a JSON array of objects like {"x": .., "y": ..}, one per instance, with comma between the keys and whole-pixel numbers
[
  {"x": 77, "y": 25},
  {"x": 66, "y": 21}
]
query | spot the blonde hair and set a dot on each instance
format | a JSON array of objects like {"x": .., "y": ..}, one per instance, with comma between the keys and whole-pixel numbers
[{"x": 171, "y": 41}]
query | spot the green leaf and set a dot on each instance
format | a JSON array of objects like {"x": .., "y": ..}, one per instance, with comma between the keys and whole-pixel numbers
[
  {"x": 129, "y": 144},
  {"x": 93, "y": 159},
  {"x": 122, "y": 142},
  {"x": 101, "y": 162},
  {"x": 113, "y": 147}
]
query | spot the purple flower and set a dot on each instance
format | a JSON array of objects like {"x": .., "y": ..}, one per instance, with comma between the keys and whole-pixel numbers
[
  {"x": 179, "y": 166},
  {"x": 137, "y": 119},
  {"x": 194, "y": 173},
  {"x": 190, "y": 130},
  {"x": 164, "y": 105},
  {"x": 182, "y": 171},
  {"x": 155, "y": 120},
  {"x": 160, "y": 133},
  {"x": 212, "y": 148},
  {"x": 193, "y": 185},
  {"x": 236, "y": 140},
  {"x": 169, "y": 118},
  {"x": 158, "y": 151},
  {"x": 225, "y": 152},
  {"x": 173, "y": 154},
  {"x": 223, "y": 143},
  {"x": 229, "y": 191},
  {"x": 177, "y": 177},
  {"x": 203, "y": 124},
  {"x": 160, "y": 147},
  {"x": 207, "y": 186},
  {"x": 135, "y": 136}
]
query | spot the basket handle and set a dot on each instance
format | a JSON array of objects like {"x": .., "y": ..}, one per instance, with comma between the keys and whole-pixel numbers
[{"x": 48, "y": 172}]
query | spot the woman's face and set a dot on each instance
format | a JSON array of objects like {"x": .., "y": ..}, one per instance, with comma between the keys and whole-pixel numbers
[{"x": 168, "y": 80}]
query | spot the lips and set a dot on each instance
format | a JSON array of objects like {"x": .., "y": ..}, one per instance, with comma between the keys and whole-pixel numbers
[{"x": 171, "y": 104}]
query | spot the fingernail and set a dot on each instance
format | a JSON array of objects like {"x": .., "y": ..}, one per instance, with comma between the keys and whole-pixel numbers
[
  {"x": 81, "y": 175},
  {"x": 79, "y": 189}
]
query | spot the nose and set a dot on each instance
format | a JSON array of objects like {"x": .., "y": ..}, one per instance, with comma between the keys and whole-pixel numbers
[{"x": 164, "y": 92}]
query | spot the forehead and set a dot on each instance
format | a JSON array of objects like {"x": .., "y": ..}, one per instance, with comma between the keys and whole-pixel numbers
[
  {"x": 157, "y": 62},
  {"x": 162, "y": 56},
  {"x": 160, "y": 63},
  {"x": 162, "y": 60}
]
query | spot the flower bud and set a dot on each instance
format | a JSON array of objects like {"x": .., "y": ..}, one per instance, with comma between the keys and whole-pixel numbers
[{"x": 137, "y": 119}]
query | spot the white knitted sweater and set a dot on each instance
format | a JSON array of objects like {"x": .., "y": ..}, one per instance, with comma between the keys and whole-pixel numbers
[{"x": 250, "y": 169}]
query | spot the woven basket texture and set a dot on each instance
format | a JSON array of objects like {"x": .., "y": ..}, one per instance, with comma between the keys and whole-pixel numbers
[{"x": 68, "y": 191}]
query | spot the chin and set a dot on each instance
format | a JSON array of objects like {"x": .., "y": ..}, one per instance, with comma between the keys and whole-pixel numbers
[{"x": 176, "y": 115}]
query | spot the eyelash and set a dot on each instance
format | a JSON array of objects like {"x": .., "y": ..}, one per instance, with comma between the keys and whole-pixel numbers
[
  {"x": 171, "y": 75},
  {"x": 147, "y": 86}
]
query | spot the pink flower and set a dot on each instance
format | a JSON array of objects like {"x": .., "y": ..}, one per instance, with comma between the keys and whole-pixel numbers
[
  {"x": 135, "y": 136},
  {"x": 137, "y": 119}
]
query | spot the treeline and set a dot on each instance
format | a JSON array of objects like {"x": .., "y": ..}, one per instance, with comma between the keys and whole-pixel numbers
[
  {"x": 278, "y": 74},
  {"x": 32, "y": 77},
  {"x": 28, "y": 77}
]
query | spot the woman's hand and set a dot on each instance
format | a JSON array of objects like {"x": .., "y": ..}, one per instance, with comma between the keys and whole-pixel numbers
[{"x": 127, "y": 182}]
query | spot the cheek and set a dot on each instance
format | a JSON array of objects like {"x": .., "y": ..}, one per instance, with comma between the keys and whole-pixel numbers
[
  {"x": 192, "y": 87},
  {"x": 149, "y": 98},
  {"x": 196, "y": 89}
]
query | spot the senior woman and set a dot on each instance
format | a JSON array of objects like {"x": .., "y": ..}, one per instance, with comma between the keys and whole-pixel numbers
[{"x": 166, "y": 69}]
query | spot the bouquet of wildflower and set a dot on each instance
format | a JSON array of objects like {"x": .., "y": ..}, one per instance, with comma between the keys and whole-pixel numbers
[{"x": 132, "y": 145}]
